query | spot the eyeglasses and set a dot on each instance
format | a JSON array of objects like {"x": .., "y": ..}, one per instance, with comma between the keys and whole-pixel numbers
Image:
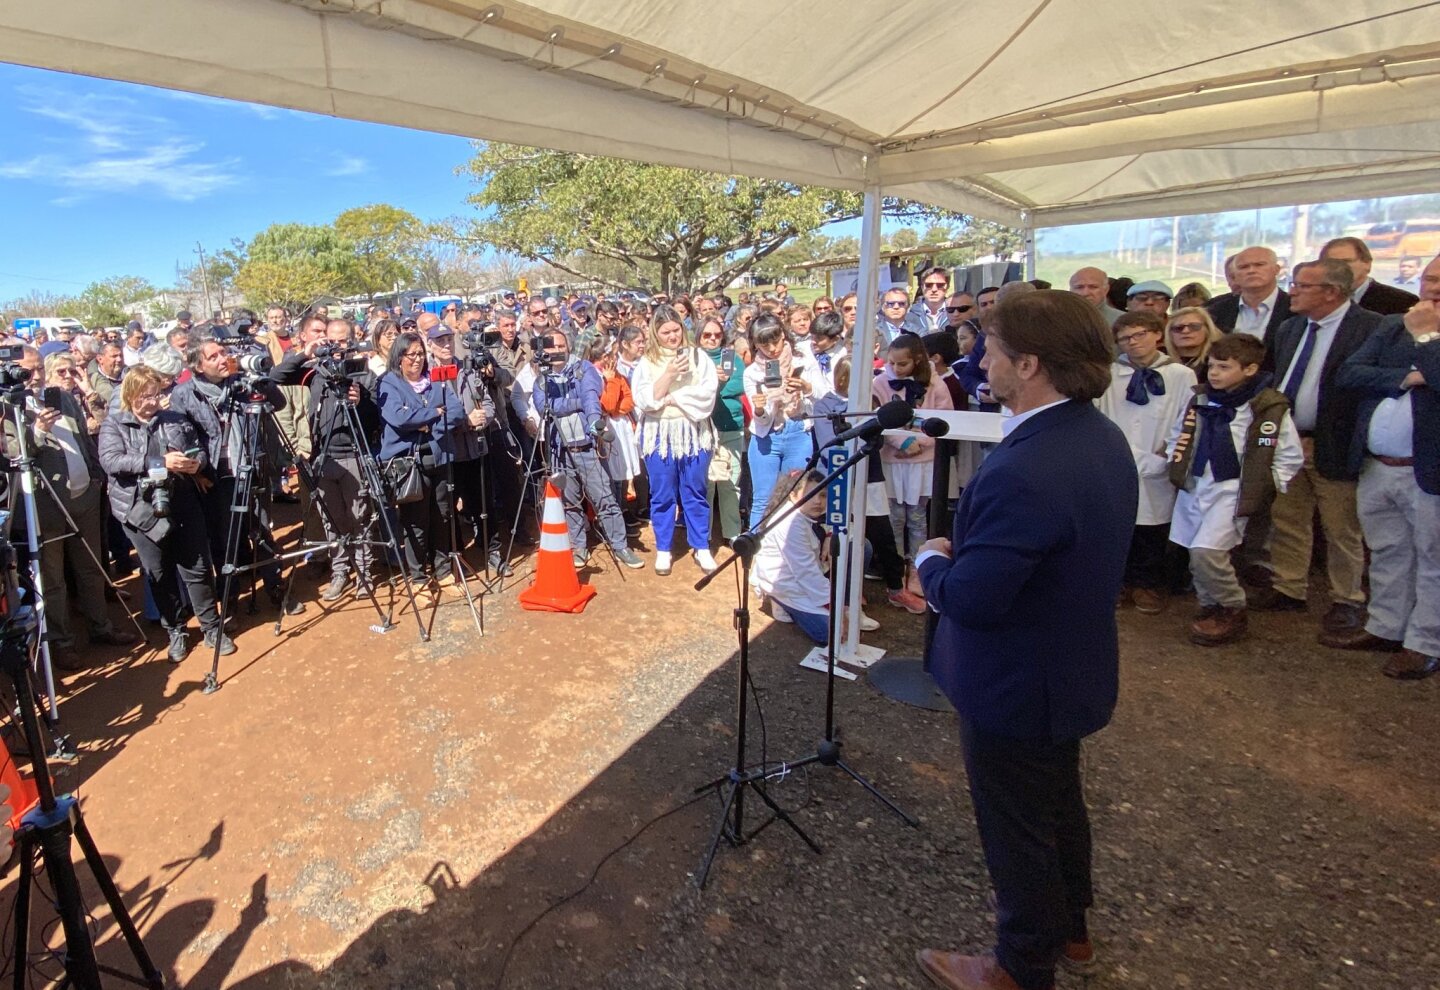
[
  {"x": 1130, "y": 338},
  {"x": 1187, "y": 327},
  {"x": 66, "y": 371},
  {"x": 937, "y": 285},
  {"x": 414, "y": 355},
  {"x": 1308, "y": 285},
  {"x": 893, "y": 303},
  {"x": 958, "y": 309}
]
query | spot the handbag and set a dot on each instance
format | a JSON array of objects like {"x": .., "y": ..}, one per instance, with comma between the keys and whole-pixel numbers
[{"x": 402, "y": 474}]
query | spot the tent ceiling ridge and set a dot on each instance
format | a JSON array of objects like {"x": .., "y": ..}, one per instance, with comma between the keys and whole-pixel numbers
[
  {"x": 1369, "y": 69},
  {"x": 512, "y": 32}
]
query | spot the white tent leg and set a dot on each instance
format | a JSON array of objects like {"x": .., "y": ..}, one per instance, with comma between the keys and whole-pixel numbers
[
  {"x": 860, "y": 357},
  {"x": 1029, "y": 233}
]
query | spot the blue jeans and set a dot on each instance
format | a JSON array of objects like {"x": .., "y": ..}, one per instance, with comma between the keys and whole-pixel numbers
[
  {"x": 681, "y": 480},
  {"x": 816, "y": 625},
  {"x": 772, "y": 457}
]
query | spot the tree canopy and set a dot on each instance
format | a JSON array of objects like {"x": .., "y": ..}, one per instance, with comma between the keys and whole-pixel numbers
[{"x": 650, "y": 226}]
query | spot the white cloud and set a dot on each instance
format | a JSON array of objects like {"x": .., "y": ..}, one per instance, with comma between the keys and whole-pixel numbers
[
  {"x": 258, "y": 109},
  {"x": 108, "y": 144},
  {"x": 348, "y": 165}
]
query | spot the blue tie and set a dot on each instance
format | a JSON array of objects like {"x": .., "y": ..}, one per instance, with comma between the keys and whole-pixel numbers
[
  {"x": 824, "y": 361},
  {"x": 1307, "y": 350}
]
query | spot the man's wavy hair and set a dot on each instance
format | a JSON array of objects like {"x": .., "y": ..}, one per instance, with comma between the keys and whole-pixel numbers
[{"x": 1064, "y": 332}]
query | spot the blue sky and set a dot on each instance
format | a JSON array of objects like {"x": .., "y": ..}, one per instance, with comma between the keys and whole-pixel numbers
[{"x": 102, "y": 178}]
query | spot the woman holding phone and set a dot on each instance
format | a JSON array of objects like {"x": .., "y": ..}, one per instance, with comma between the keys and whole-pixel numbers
[
  {"x": 675, "y": 386},
  {"x": 157, "y": 470},
  {"x": 729, "y": 422},
  {"x": 780, "y": 383}
]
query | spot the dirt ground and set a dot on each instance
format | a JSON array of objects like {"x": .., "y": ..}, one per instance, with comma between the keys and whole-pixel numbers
[{"x": 368, "y": 811}]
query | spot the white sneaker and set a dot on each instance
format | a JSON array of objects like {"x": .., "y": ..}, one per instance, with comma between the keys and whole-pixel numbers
[
  {"x": 868, "y": 624},
  {"x": 662, "y": 562},
  {"x": 706, "y": 560},
  {"x": 778, "y": 613}
]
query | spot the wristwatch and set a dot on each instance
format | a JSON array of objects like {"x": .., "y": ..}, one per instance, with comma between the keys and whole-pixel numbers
[{"x": 1426, "y": 338}]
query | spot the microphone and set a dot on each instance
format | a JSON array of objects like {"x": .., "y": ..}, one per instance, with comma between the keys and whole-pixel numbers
[
  {"x": 934, "y": 427},
  {"x": 891, "y": 416}
]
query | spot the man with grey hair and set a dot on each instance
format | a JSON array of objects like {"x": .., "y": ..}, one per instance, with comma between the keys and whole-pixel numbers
[
  {"x": 1093, "y": 285},
  {"x": 1309, "y": 349},
  {"x": 1260, "y": 305},
  {"x": 895, "y": 317}
]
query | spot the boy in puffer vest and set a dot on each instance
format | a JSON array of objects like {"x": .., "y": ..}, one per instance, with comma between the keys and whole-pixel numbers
[{"x": 1233, "y": 447}]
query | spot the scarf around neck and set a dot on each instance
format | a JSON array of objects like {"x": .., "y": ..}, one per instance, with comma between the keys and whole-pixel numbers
[{"x": 1215, "y": 446}]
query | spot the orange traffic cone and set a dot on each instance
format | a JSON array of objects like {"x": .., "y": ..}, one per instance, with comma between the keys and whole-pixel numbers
[{"x": 557, "y": 587}]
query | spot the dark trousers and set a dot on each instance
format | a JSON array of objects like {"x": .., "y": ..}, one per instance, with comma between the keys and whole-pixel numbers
[
  {"x": 182, "y": 556},
  {"x": 425, "y": 527},
  {"x": 59, "y": 555},
  {"x": 1145, "y": 566},
  {"x": 338, "y": 484},
  {"x": 216, "y": 504},
  {"x": 1034, "y": 829},
  {"x": 473, "y": 498},
  {"x": 885, "y": 558},
  {"x": 583, "y": 477}
]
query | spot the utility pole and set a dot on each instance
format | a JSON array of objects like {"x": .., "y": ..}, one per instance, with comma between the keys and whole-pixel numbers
[{"x": 204, "y": 277}]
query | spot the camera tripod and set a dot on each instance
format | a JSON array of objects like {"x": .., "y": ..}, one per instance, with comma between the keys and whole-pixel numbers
[
  {"x": 460, "y": 569},
  {"x": 244, "y": 523},
  {"x": 45, "y": 835}
]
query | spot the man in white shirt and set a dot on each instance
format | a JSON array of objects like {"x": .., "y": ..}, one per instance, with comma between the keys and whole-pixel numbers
[
  {"x": 1260, "y": 305},
  {"x": 135, "y": 341}
]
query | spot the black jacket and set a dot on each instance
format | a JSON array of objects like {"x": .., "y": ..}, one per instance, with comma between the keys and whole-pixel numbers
[
  {"x": 187, "y": 399},
  {"x": 329, "y": 423},
  {"x": 1338, "y": 406},
  {"x": 128, "y": 447},
  {"x": 1387, "y": 300},
  {"x": 1224, "y": 309}
]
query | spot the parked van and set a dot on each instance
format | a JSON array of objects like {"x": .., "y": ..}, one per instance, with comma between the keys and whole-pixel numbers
[{"x": 50, "y": 324}]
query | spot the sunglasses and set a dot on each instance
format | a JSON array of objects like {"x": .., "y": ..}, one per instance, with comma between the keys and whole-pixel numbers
[
  {"x": 409, "y": 325},
  {"x": 958, "y": 309},
  {"x": 823, "y": 309},
  {"x": 847, "y": 309},
  {"x": 893, "y": 303},
  {"x": 937, "y": 285},
  {"x": 1186, "y": 326}
]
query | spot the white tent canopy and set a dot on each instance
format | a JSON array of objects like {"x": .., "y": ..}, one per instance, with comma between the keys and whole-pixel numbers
[{"x": 1040, "y": 111}]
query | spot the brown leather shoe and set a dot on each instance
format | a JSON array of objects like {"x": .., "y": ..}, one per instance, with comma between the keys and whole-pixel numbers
[
  {"x": 1359, "y": 639},
  {"x": 1224, "y": 625},
  {"x": 1147, "y": 602},
  {"x": 1080, "y": 958},
  {"x": 1411, "y": 665},
  {"x": 953, "y": 971},
  {"x": 1343, "y": 617}
]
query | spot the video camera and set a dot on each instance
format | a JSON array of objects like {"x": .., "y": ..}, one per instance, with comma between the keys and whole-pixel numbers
[
  {"x": 13, "y": 378},
  {"x": 478, "y": 342},
  {"x": 343, "y": 359},
  {"x": 550, "y": 360}
]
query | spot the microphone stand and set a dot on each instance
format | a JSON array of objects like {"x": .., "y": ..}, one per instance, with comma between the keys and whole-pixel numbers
[{"x": 731, "y": 786}]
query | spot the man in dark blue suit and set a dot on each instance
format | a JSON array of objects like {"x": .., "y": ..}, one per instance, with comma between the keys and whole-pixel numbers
[{"x": 1026, "y": 646}]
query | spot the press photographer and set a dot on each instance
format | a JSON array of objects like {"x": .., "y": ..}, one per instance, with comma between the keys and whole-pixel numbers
[
  {"x": 156, "y": 464},
  {"x": 336, "y": 371},
  {"x": 230, "y": 380},
  {"x": 471, "y": 436},
  {"x": 566, "y": 403},
  {"x": 66, "y": 458}
]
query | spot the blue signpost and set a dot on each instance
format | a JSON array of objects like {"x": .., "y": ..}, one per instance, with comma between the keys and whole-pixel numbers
[{"x": 837, "y": 493}]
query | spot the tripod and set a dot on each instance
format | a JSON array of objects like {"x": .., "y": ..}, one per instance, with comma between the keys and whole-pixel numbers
[
  {"x": 372, "y": 488},
  {"x": 731, "y": 786},
  {"x": 242, "y": 515},
  {"x": 460, "y": 570},
  {"x": 45, "y": 835}
]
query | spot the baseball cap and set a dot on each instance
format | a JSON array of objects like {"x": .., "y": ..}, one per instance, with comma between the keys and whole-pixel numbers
[
  {"x": 1153, "y": 285},
  {"x": 439, "y": 330}
]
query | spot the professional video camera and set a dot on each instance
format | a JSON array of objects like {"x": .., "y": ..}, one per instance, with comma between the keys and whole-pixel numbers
[
  {"x": 13, "y": 378},
  {"x": 478, "y": 342},
  {"x": 337, "y": 360},
  {"x": 547, "y": 357}
]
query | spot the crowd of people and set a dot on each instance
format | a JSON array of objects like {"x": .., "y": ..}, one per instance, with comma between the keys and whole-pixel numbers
[{"x": 1247, "y": 414}]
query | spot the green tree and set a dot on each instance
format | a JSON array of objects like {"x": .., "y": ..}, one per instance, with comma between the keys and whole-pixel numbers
[
  {"x": 295, "y": 264},
  {"x": 667, "y": 228},
  {"x": 109, "y": 302},
  {"x": 386, "y": 242}
]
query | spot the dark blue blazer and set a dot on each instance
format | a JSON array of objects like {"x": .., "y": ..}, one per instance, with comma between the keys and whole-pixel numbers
[
  {"x": 1376, "y": 371},
  {"x": 972, "y": 376},
  {"x": 1026, "y": 645},
  {"x": 1335, "y": 416}
]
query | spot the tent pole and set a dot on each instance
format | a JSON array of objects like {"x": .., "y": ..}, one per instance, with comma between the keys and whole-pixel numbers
[
  {"x": 1028, "y": 232},
  {"x": 861, "y": 356}
]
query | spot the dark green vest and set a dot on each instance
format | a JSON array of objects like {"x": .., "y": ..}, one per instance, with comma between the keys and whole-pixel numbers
[{"x": 1257, "y": 481}]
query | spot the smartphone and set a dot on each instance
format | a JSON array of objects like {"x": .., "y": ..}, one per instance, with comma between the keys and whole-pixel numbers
[
  {"x": 51, "y": 398},
  {"x": 727, "y": 361},
  {"x": 773, "y": 378},
  {"x": 193, "y": 453}
]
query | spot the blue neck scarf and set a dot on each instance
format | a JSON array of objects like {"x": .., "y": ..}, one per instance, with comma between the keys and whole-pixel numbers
[
  {"x": 1143, "y": 384},
  {"x": 1215, "y": 446},
  {"x": 908, "y": 389}
]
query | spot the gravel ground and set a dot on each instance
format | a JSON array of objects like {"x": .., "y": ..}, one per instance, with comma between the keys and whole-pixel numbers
[{"x": 1265, "y": 815}]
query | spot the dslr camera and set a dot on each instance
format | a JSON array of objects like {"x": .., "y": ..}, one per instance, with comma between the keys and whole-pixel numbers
[
  {"x": 154, "y": 487},
  {"x": 13, "y": 378}
]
